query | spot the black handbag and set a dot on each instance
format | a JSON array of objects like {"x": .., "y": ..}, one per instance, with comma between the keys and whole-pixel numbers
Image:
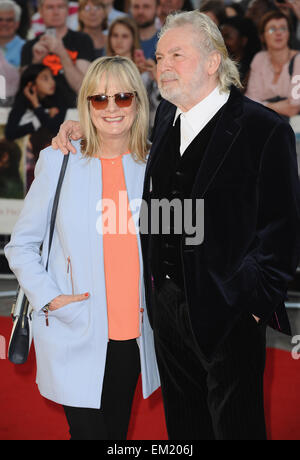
[{"x": 21, "y": 335}]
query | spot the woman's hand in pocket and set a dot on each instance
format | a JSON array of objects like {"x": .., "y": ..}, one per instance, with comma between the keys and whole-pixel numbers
[{"x": 63, "y": 300}]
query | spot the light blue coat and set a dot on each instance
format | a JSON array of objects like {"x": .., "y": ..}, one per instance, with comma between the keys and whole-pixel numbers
[{"x": 71, "y": 352}]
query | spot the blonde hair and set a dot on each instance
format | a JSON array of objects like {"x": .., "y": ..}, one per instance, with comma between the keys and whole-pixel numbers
[
  {"x": 210, "y": 39},
  {"x": 124, "y": 71}
]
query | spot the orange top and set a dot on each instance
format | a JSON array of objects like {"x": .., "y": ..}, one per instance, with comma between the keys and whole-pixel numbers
[{"x": 121, "y": 255}]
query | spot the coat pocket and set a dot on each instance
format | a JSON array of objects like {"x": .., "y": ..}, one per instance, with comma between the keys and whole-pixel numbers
[{"x": 68, "y": 313}]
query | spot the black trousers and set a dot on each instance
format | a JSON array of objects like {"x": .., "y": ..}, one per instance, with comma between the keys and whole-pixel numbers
[
  {"x": 217, "y": 399},
  {"x": 111, "y": 421}
]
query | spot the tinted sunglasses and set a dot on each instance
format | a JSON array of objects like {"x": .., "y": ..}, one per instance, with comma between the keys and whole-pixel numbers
[{"x": 100, "y": 101}]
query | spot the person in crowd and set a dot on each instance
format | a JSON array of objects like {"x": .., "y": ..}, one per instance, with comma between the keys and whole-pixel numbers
[
  {"x": 271, "y": 80},
  {"x": 38, "y": 25},
  {"x": 256, "y": 9},
  {"x": 215, "y": 9},
  {"x": 123, "y": 40},
  {"x": 10, "y": 43},
  {"x": 91, "y": 331},
  {"x": 38, "y": 110},
  {"x": 66, "y": 52},
  {"x": 11, "y": 184},
  {"x": 242, "y": 41},
  {"x": 112, "y": 12},
  {"x": 9, "y": 82},
  {"x": 166, "y": 7},
  {"x": 209, "y": 300},
  {"x": 93, "y": 21},
  {"x": 144, "y": 12},
  {"x": 234, "y": 9},
  {"x": 294, "y": 6}
]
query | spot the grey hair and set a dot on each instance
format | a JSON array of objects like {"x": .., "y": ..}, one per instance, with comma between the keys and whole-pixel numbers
[
  {"x": 210, "y": 39},
  {"x": 8, "y": 5}
]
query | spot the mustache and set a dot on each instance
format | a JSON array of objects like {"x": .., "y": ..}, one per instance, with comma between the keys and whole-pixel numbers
[{"x": 168, "y": 76}]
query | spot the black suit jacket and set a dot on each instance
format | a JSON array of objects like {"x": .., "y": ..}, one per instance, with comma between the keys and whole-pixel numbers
[{"x": 249, "y": 182}]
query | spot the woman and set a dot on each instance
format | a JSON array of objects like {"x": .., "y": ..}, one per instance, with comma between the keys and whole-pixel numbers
[
  {"x": 92, "y": 17},
  {"x": 123, "y": 40},
  {"x": 89, "y": 356},
  {"x": 37, "y": 110},
  {"x": 242, "y": 42},
  {"x": 271, "y": 79}
]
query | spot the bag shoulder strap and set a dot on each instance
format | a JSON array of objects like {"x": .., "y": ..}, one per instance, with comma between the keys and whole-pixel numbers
[
  {"x": 291, "y": 64},
  {"x": 55, "y": 202}
]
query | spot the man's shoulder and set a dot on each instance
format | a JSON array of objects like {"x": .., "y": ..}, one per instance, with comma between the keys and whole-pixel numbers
[
  {"x": 80, "y": 42},
  {"x": 165, "y": 107},
  {"x": 76, "y": 35},
  {"x": 259, "y": 112}
]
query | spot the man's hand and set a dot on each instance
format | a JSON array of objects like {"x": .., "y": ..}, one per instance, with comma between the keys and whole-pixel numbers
[
  {"x": 293, "y": 5},
  {"x": 53, "y": 44},
  {"x": 69, "y": 130},
  {"x": 63, "y": 300},
  {"x": 39, "y": 52}
]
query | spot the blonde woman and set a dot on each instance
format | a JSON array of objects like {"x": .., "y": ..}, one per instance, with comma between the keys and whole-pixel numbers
[{"x": 91, "y": 331}]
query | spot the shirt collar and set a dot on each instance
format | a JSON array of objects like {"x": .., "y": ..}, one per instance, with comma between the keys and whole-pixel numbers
[{"x": 204, "y": 108}]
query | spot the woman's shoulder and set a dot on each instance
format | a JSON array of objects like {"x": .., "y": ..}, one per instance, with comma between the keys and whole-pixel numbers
[
  {"x": 52, "y": 159},
  {"x": 55, "y": 156}
]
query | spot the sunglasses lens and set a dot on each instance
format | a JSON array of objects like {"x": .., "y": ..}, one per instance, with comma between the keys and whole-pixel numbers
[
  {"x": 99, "y": 102},
  {"x": 124, "y": 99}
]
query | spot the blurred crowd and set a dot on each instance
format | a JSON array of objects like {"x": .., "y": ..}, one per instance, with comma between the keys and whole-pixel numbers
[{"x": 46, "y": 47}]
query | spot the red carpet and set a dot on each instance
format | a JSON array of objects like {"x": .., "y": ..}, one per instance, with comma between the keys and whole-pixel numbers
[{"x": 25, "y": 415}]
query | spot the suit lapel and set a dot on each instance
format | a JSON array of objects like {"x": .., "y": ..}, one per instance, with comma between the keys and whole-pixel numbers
[
  {"x": 218, "y": 148},
  {"x": 164, "y": 125}
]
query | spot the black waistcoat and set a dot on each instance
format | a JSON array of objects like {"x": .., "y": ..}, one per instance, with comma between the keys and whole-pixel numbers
[{"x": 173, "y": 178}]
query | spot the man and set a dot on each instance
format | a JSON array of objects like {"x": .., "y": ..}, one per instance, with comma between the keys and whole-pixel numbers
[
  {"x": 66, "y": 52},
  {"x": 10, "y": 43},
  {"x": 144, "y": 12},
  {"x": 209, "y": 303}
]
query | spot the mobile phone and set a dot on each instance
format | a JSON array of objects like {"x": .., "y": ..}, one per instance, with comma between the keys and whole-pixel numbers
[
  {"x": 51, "y": 31},
  {"x": 139, "y": 54}
]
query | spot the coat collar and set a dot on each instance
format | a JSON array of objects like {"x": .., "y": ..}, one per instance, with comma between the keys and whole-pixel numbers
[{"x": 226, "y": 131}]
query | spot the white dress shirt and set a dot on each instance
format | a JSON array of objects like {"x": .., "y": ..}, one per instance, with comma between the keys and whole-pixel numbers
[{"x": 194, "y": 120}]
